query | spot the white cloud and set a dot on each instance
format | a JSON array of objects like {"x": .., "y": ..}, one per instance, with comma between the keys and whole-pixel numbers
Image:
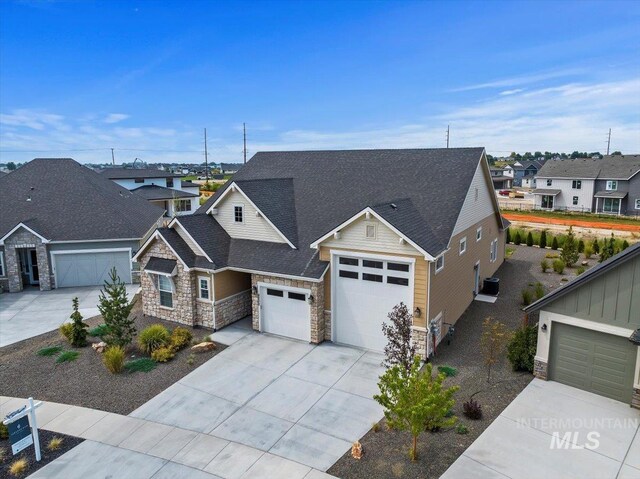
[
  {"x": 521, "y": 80},
  {"x": 115, "y": 117},
  {"x": 511, "y": 92}
]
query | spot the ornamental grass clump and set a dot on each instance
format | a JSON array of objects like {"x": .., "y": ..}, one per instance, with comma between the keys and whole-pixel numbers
[
  {"x": 113, "y": 359},
  {"x": 153, "y": 337}
]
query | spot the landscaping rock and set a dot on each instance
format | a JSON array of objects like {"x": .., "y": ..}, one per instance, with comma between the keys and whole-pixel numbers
[
  {"x": 585, "y": 263},
  {"x": 99, "y": 347},
  {"x": 203, "y": 347}
]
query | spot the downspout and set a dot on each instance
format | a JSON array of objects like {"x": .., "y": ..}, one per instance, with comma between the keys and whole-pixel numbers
[{"x": 213, "y": 300}]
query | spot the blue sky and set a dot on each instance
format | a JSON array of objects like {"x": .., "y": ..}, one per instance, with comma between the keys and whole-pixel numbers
[{"x": 145, "y": 77}]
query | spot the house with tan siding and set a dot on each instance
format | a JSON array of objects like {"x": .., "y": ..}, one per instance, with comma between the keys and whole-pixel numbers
[{"x": 320, "y": 246}]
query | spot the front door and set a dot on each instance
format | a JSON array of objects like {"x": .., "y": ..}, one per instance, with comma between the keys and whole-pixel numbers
[{"x": 34, "y": 277}]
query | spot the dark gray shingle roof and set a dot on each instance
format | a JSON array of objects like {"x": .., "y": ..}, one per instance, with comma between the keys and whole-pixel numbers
[
  {"x": 160, "y": 265},
  {"x": 155, "y": 192},
  {"x": 609, "y": 167},
  {"x": 71, "y": 202}
]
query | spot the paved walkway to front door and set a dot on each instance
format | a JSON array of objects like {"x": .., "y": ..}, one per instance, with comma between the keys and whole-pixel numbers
[{"x": 527, "y": 439}]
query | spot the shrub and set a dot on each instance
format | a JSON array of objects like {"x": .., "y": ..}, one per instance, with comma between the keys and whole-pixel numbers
[
  {"x": 375, "y": 427},
  {"x": 3, "y": 454},
  {"x": 67, "y": 356},
  {"x": 508, "y": 239},
  {"x": 140, "y": 365},
  {"x": 552, "y": 255},
  {"x": 596, "y": 246},
  {"x": 509, "y": 252},
  {"x": 588, "y": 251},
  {"x": 153, "y": 337},
  {"x": 78, "y": 327},
  {"x": 180, "y": 338},
  {"x": 19, "y": 467},
  {"x": 564, "y": 280},
  {"x": 115, "y": 308},
  {"x": 625, "y": 245},
  {"x": 522, "y": 348},
  {"x": 570, "y": 253},
  {"x": 558, "y": 266},
  {"x": 554, "y": 243},
  {"x": 462, "y": 429},
  {"x": 544, "y": 265},
  {"x": 539, "y": 290},
  {"x": 55, "y": 443},
  {"x": 66, "y": 330},
  {"x": 50, "y": 351},
  {"x": 581, "y": 246},
  {"x": 518, "y": 238},
  {"x": 543, "y": 239},
  {"x": 113, "y": 359},
  {"x": 529, "y": 239},
  {"x": 162, "y": 355},
  {"x": 580, "y": 270},
  {"x": 526, "y": 297},
  {"x": 99, "y": 331},
  {"x": 472, "y": 409},
  {"x": 448, "y": 371},
  {"x": 191, "y": 359},
  {"x": 4, "y": 431}
]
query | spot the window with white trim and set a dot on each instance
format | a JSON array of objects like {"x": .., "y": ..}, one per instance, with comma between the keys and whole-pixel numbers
[
  {"x": 479, "y": 234},
  {"x": 204, "y": 289},
  {"x": 576, "y": 184},
  {"x": 165, "y": 288},
  {"x": 182, "y": 205},
  {"x": 493, "y": 254},
  {"x": 638, "y": 203},
  {"x": 612, "y": 185},
  {"x": 2, "y": 273},
  {"x": 238, "y": 213},
  {"x": 575, "y": 200},
  {"x": 440, "y": 263},
  {"x": 549, "y": 182},
  {"x": 463, "y": 245}
]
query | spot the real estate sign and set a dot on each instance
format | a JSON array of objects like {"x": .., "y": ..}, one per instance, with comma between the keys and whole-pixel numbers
[{"x": 20, "y": 434}]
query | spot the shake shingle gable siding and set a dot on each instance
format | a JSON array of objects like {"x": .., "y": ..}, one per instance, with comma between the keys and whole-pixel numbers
[{"x": 64, "y": 201}]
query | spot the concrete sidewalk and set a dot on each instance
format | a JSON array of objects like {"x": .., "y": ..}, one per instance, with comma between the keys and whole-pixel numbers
[{"x": 127, "y": 447}]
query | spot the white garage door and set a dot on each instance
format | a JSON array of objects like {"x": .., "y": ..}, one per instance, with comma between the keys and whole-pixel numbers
[
  {"x": 366, "y": 290},
  {"x": 285, "y": 312},
  {"x": 89, "y": 269}
]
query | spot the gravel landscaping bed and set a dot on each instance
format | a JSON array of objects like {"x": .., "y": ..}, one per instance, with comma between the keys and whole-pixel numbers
[
  {"x": 386, "y": 451},
  {"x": 86, "y": 381},
  {"x": 68, "y": 443}
]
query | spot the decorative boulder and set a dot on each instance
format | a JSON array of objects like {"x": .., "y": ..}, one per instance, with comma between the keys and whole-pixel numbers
[
  {"x": 203, "y": 347},
  {"x": 99, "y": 347},
  {"x": 585, "y": 263}
]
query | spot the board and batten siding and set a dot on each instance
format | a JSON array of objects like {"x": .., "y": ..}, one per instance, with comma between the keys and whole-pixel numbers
[
  {"x": 254, "y": 227},
  {"x": 354, "y": 237},
  {"x": 420, "y": 280},
  {"x": 479, "y": 202},
  {"x": 564, "y": 200},
  {"x": 612, "y": 299},
  {"x": 452, "y": 287}
]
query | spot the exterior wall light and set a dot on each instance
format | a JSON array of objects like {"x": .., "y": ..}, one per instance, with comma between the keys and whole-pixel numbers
[
  {"x": 311, "y": 299},
  {"x": 417, "y": 312},
  {"x": 544, "y": 327},
  {"x": 254, "y": 289}
]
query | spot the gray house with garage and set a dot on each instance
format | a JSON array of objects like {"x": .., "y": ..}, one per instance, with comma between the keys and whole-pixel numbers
[
  {"x": 318, "y": 245},
  {"x": 63, "y": 225},
  {"x": 589, "y": 330}
]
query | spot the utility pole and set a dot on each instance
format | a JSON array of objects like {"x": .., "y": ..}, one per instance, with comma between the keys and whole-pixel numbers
[
  {"x": 113, "y": 158},
  {"x": 447, "y": 136},
  {"x": 609, "y": 141},
  {"x": 244, "y": 138},
  {"x": 206, "y": 158}
]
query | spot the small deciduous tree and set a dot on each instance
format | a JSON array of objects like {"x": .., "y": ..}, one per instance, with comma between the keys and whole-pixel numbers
[
  {"x": 399, "y": 350},
  {"x": 115, "y": 308},
  {"x": 78, "y": 327},
  {"x": 570, "y": 253},
  {"x": 494, "y": 339},
  {"x": 414, "y": 400}
]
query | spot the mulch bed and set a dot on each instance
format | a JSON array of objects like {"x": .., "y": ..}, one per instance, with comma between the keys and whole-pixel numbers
[
  {"x": 86, "y": 381},
  {"x": 386, "y": 452},
  {"x": 68, "y": 443}
]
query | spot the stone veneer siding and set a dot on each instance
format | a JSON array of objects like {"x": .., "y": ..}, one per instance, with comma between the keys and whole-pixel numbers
[
  {"x": 317, "y": 308},
  {"x": 419, "y": 338},
  {"x": 23, "y": 238},
  {"x": 184, "y": 309},
  {"x": 327, "y": 325},
  {"x": 540, "y": 369},
  {"x": 233, "y": 308}
]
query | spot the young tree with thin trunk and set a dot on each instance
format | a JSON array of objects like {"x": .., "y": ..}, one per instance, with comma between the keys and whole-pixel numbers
[
  {"x": 493, "y": 343},
  {"x": 570, "y": 253},
  {"x": 115, "y": 308},
  {"x": 399, "y": 349},
  {"x": 414, "y": 400}
]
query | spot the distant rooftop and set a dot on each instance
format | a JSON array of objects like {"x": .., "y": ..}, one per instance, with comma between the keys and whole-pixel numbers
[{"x": 120, "y": 173}]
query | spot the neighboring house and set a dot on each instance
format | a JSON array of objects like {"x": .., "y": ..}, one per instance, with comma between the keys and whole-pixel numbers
[
  {"x": 523, "y": 169},
  {"x": 500, "y": 181},
  {"x": 529, "y": 181},
  {"x": 62, "y": 224},
  {"x": 610, "y": 185},
  {"x": 317, "y": 245},
  {"x": 589, "y": 330},
  {"x": 230, "y": 168},
  {"x": 164, "y": 189}
]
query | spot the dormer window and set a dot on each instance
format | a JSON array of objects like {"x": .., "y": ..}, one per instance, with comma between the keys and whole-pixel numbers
[{"x": 238, "y": 213}]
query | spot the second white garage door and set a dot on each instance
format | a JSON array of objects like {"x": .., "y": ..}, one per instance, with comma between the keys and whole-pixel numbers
[
  {"x": 366, "y": 290},
  {"x": 89, "y": 269},
  {"x": 285, "y": 312}
]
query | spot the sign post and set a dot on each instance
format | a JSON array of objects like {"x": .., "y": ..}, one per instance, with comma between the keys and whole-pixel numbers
[{"x": 21, "y": 434}]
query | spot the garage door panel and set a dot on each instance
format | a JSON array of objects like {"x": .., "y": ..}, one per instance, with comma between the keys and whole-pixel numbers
[
  {"x": 605, "y": 364},
  {"x": 90, "y": 269},
  {"x": 285, "y": 313}
]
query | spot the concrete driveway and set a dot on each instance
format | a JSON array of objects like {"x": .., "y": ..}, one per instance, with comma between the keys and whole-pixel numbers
[
  {"x": 33, "y": 312},
  {"x": 294, "y": 400},
  {"x": 526, "y": 440}
]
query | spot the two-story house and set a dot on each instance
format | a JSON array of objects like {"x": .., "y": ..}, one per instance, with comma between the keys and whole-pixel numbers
[
  {"x": 162, "y": 188},
  {"x": 318, "y": 245},
  {"x": 523, "y": 172},
  {"x": 610, "y": 185},
  {"x": 500, "y": 180}
]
